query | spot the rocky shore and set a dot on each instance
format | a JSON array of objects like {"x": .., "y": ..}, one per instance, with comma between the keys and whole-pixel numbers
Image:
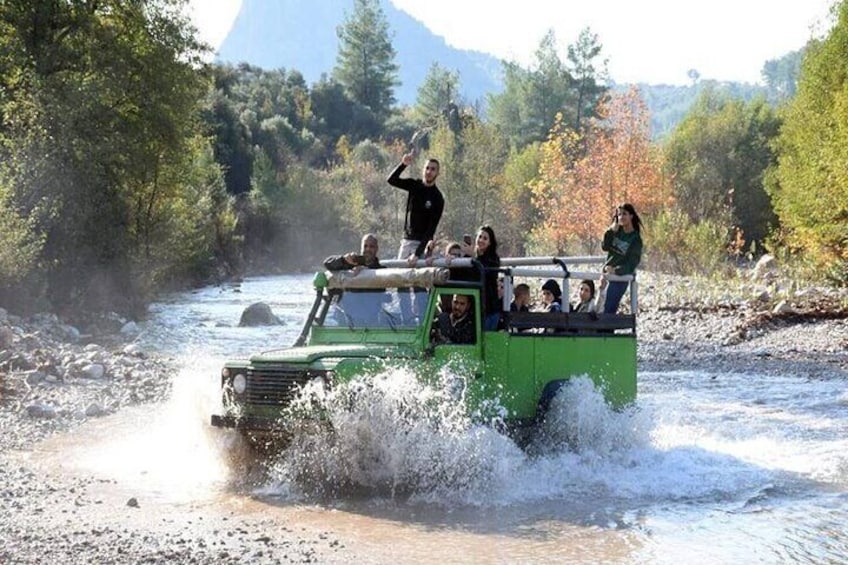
[{"x": 55, "y": 377}]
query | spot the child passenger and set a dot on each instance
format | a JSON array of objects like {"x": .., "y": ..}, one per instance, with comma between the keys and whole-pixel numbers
[{"x": 551, "y": 296}]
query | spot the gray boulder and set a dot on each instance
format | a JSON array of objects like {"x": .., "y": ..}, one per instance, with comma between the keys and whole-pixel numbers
[{"x": 258, "y": 314}]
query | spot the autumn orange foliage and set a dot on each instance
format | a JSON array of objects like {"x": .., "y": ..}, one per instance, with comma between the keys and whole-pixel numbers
[{"x": 583, "y": 177}]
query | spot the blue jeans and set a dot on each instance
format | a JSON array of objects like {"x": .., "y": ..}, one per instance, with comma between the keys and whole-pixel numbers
[
  {"x": 408, "y": 310},
  {"x": 490, "y": 322},
  {"x": 615, "y": 291}
]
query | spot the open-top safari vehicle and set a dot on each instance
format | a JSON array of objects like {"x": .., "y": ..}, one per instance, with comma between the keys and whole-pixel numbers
[{"x": 357, "y": 326}]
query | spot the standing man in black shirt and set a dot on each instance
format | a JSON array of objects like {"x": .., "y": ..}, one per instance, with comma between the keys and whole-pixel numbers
[{"x": 424, "y": 206}]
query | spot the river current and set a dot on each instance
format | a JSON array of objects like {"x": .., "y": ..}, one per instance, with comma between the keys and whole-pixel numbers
[{"x": 706, "y": 468}]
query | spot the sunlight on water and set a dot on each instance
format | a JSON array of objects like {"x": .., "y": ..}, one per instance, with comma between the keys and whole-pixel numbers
[{"x": 170, "y": 451}]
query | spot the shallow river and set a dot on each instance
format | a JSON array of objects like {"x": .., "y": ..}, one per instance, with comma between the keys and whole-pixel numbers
[{"x": 707, "y": 468}]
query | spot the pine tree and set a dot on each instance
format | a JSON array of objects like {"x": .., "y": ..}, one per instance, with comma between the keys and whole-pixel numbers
[
  {"x": 365, "y": 63},
  {"x": 437, "y": 95}
]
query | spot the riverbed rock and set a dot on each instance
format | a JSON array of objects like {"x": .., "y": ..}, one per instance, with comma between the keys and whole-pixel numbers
[
  {"x": 134, "y": 350},
  {"x": 93, "y": 371},
  {"x": 130, "y": 328},
  {"x": 782, "y": 307},
  {"x": 33, "y": 378},
  {"x": 765, "y": 269},
  {"x": 258, "y": 314},
  {"x": 7, "y": 337},
  {"x": 42, "y": 410},
  {"x": 94, "y": 409}
]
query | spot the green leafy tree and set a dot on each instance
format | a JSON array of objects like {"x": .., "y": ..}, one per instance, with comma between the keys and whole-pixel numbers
[
  {"x": 506, "y": 108},
  {"x": 526, "y": 109},
  {"x": 781, "y": 75},
  {"x": 717, "y": 158},
  {"x": 531, "y": 99},
  {"x": 437, "y": 95},
  {"x": 365, "y": 63},
  {"x": 336, "y": 114},
  {"x": 100, "y": 139},
  {"x": 588, "y": 75},
  {"x": 549, "y": 88},
  {"x": 20, "y": 247},
  {"x": 520, "y": 168},
  {"x": 809, "y": 186}
]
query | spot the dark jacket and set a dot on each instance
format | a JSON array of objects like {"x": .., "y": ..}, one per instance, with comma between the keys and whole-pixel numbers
[
  {"x": 462, "y": 332},
  {"x": 424, "y": 207},
  {"x": 491, "y": 262},
  {"x": 338, "y": 263}
]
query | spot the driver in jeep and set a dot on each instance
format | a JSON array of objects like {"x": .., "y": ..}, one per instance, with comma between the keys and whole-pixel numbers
[{"x": 456, "y": 326}]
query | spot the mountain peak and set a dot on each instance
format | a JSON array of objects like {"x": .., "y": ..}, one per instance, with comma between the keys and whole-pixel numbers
[{"x": 301, "y": 35}]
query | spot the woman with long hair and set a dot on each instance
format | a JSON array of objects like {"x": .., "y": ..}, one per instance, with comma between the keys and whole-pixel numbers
[
  {"x": 623, "y": 244},
  {"x": 485, "y": 250},
  {"x": 590, "y": 300}
]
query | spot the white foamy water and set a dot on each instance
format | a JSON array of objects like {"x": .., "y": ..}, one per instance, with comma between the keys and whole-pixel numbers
[{"x": 705, "y": 468}]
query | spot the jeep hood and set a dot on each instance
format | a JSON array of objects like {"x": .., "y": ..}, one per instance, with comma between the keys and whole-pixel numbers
[{"x": 312, "y": 353}]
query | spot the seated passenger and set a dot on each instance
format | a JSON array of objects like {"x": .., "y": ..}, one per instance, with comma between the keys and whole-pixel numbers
[
  {"x": 367, "y": 257},
  {"x": 456, "y": 326},
  {"x": 358, "y": 308},
  {"x": 520, "y": 298},
  {"x": 588, "y": 300},
  {"x": 551, "y": 297},
  {"x": 452, "y": 251}
]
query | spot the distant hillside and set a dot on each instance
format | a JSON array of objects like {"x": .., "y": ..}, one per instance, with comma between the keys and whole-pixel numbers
[
  {"x": 301, "y": 35},
  {"x": 668, "y": 104}
]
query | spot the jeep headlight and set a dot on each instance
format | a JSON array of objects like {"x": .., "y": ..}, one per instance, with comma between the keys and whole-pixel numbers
[{"x": 239, "y": 383}]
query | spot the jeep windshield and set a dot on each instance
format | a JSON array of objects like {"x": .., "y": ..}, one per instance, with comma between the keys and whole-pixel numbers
[
  {"x": 389, "y": 299},
  {"x": 375, "y": 308}
]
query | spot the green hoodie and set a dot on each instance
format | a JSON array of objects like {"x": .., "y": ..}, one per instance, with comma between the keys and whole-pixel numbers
[{"x": 624, "y": 250}]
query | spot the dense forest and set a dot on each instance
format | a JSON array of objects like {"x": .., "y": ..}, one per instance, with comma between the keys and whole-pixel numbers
[{"x": 129, "y": 166}]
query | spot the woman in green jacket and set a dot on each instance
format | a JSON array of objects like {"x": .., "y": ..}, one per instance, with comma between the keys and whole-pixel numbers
[{"x": 623, "y": 244}]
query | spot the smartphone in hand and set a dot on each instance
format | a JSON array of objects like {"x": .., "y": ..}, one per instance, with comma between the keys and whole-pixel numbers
[{"x": 466, "y": 239}]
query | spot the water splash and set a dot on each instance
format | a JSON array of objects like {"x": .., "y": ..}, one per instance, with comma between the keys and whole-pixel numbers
[
  {"x": 580, "y": 420},
  {"x": 169, "y": 450},
  {"x": 392, "y": 435}
]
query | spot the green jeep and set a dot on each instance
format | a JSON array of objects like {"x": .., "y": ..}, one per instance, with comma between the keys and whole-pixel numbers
[{"x": 357, "y": 325}]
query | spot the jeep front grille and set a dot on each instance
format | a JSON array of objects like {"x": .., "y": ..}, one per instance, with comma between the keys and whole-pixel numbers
[{"x": 275, "y": 385}]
